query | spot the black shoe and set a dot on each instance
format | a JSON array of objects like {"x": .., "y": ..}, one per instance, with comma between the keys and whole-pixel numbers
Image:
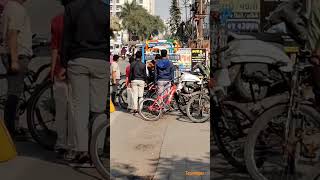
[
  {"x": 20, "y": 135},
  {"x": 82, "y": 160}
]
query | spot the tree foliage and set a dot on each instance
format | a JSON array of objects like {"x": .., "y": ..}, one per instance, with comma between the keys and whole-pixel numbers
[
  {"x": 138, "y": 21},
  {"x": 175, "y": 17}
]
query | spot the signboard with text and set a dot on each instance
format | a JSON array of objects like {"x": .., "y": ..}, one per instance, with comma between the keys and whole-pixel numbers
[
  {"x": 184, "y": 62},
  {"x": 240, "y": 15},
  {"x": 198, "y": 55}
]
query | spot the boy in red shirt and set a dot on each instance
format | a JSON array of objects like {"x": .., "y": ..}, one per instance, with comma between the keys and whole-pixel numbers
[{"x": 61, "y": 90}]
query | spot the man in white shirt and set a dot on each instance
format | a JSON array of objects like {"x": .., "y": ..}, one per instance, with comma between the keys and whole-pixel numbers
[{"x": 17, "y": 45}]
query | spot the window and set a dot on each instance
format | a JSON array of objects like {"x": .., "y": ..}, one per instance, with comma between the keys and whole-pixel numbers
[
  {"x": 111, "y": 7},
  {"x": 111, "y": 1},
  {"x": 141, "y": 1},
  {"x": 118, "y": 1},
  {"x": 118, "y": 7}
]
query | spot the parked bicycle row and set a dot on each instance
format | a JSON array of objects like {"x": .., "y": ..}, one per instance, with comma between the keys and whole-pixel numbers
[{"x": 270, "y": 133}]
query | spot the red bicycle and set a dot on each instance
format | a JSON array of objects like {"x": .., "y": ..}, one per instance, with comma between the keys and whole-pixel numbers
[{"x": 152, "y": 109}]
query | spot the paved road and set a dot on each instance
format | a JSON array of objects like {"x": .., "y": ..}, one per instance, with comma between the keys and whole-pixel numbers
[{"x": 164, "y": 149}]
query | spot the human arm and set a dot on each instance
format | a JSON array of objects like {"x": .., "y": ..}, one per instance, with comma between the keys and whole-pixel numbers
[
  {"x": 13, "y": 48},
  {"x": 66, "y": 37},
  {"x": 16, "y": 20}
]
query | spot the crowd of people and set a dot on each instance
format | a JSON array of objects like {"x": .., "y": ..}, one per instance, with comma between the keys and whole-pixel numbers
[
  {"x": 159, "y": 71},
  {"x": 80, "y": 69}
]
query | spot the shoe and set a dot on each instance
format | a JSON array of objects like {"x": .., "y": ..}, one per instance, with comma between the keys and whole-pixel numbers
[
  {"x": 82, "y": 160},
  {"x": 20, "y": 135}
]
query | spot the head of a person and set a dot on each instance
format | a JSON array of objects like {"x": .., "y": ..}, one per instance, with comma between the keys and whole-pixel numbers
[
  {"x": 157, "y": 57},
  {"x": 131, "y": 59},
  {"x": 116, "y": 58},
  {"x": 65, "y": 2},
  {"x": 138, "y": 55},
  {"x": 164, "y": 53}
]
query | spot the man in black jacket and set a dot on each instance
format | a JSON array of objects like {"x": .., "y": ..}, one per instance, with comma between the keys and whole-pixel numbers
[
  {"x": 84, "y": 54},
  {"x": 138, "y": 77}
]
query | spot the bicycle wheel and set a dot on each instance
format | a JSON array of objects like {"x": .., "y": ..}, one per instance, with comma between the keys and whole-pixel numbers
[
  {"x": 150, "y": 109},
  {"x": 41, "y": 115},
  {"x": 100, "y": 150},
  {"x": 230, "y": 126},
  {"x": 266, "y": 142},
  {"x": 122, "y": 98},
  {"x": 198, "y": 108}
]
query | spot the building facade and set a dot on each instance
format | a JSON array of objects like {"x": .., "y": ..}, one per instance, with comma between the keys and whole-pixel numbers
[{"x": 115, "y": 5}]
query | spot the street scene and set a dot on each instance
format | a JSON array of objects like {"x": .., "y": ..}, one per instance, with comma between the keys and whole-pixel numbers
[
  {"x": 264, "y": 100},
  {"x": 160, "y": 126}
]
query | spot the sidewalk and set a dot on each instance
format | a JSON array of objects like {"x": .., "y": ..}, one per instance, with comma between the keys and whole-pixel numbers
[
  {"x": 36, "y": 163},
  {"x": 186, "y": 147},
  {"x": 164, "y": 149}
]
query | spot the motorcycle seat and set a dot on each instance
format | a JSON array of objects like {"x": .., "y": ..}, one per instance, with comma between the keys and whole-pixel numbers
[{"x": 266, "y": 37}]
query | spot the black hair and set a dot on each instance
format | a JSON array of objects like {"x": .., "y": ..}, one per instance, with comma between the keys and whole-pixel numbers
[
  {"x": 138, "y": 54},
  {"x": 164, "y": 53},
  {"x": 116, "y": 57},
  {"x": 131, "y": 59},
  {"x": 65, "y": 2},
  {"x": 157, "y": 56}
]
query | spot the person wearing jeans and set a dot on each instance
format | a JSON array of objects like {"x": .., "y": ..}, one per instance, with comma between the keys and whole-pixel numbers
[
  {"x": 138, "y": 77},
  {"x": 84, "y": 53},
  {"x": 164, "y": 73}
]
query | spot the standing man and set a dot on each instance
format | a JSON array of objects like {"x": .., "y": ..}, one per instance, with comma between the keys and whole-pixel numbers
[
  {"x": 164, "y": 73},
  {"x": 85, "y": 55},
  {"x": 138, "y": 77},
  {"x": 17, "y": 38},
  {"x": 116, "y": 76}
]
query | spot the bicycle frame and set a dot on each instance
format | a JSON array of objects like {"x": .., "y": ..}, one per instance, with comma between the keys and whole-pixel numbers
[
  {"x": 290, "y": 126},
  {"x": 169, "y": 95}
]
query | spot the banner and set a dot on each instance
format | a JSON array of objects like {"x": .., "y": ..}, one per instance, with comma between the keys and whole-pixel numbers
[
  {"x": 240, "y": 15},
  {"x": 184, "y": 63},
  {"x": 198, "y": 55}
]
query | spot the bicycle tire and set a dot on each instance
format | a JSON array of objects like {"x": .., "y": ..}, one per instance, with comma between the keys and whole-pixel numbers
[
  {"x": 146, "y": 118},
  {"x": 189, "y": 107},
  {"x": 259, "y": 125},
  {"x": 31, "y": 111},
  {"x": 94, "y": 153},
  {"x": 121, "y": 98},
  {"x": 217, "y": 134}
]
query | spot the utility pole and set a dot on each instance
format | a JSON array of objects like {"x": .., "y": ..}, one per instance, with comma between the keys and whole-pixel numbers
[{"x": 201, "y": 13}]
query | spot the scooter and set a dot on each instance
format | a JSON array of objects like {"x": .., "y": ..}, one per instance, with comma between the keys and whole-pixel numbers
[{"x": 191, "y": 81}]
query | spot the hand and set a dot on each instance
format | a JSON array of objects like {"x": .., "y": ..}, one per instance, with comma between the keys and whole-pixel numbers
[
  {"x": 62, "y": 74},
  {"x": 15, "y": 66}
]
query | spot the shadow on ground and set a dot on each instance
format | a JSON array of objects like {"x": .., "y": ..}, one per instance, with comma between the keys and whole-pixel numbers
[
  {"x": 175, "y": 168},
  {"x": 34, "y": 150}
]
